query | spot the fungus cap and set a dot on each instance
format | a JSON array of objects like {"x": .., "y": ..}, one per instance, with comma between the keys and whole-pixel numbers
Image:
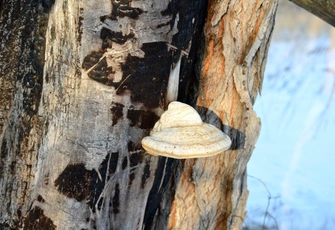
[
  {"x": 177, "y": 115},
  {"x": 181, "y": 134}
]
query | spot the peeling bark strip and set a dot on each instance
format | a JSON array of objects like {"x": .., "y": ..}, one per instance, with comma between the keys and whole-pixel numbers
[{"x": 237, "y": 35}]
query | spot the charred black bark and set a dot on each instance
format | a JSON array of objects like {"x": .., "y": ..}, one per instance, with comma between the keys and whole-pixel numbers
[{"x": 22, "y": 31}]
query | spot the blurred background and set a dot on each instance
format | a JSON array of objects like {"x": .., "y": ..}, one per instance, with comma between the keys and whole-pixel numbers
[{"x": 291, "y": 170}]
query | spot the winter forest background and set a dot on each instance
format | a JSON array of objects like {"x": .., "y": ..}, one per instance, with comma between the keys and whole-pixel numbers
[{"x": 294, "y": 155}]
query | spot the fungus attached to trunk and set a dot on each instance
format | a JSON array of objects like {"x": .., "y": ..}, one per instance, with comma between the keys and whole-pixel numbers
[{"x": 180, "y": 133}]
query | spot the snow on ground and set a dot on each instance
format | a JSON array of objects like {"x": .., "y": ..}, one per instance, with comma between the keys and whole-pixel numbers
[{"x": 294, "y": 155}]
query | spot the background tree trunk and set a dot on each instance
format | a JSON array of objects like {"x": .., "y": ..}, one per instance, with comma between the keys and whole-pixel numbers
[{"x": 83, "y": 82}]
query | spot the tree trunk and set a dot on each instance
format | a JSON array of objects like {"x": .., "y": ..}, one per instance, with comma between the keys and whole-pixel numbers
[
  {"x": 214, "y": 189},
  {"x": 82, "y": 82}
]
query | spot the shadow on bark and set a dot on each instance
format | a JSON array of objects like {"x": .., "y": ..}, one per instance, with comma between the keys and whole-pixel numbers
[{"x": 237, "y": 137}]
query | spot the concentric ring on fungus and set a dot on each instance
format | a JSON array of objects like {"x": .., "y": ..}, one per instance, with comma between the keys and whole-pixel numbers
[{"x": 181, "y": 134}]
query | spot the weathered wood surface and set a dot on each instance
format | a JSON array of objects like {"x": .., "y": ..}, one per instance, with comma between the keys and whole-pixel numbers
[
  {"x": 22, "y": 37},
  {"x": 324, "y": 9},
  {"x": 83, "y": 81},
  {"x": 214, "y": 189},
  {"x": 73, "y": 115}
]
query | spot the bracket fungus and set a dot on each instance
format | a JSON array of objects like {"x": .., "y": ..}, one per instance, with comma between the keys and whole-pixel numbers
[{"x": 180, "y": 133}]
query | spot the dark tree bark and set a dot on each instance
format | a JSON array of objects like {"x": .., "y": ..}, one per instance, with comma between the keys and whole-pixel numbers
[{"x": 82, "y": 82}]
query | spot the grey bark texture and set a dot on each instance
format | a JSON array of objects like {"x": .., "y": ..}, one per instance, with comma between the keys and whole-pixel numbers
[{"x": 82, "y": 82}]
